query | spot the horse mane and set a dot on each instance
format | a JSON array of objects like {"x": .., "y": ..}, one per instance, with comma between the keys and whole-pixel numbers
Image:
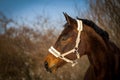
[{"x": 97, "y": 29}]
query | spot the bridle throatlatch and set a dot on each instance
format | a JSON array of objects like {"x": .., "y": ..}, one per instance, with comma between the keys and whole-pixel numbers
[{"x": 58, "y": 54}]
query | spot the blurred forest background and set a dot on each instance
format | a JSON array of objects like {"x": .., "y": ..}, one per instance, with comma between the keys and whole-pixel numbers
[{"x": 23, "y": 48}]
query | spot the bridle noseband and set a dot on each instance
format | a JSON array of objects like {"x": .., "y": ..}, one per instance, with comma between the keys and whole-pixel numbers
[{"x": 58, "y": 54}]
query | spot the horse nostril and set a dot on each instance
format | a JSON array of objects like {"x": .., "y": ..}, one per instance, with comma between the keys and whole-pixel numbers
[
  {"x": 46, "y": 64},
  {"x": 47, "y": 67}
]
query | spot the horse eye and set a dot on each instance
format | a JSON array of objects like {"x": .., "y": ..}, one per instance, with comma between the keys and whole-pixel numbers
[{"x": 64, "y": 38}]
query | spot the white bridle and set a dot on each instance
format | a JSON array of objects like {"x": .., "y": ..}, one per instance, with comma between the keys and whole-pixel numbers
[{"x": 58, "y": 54}]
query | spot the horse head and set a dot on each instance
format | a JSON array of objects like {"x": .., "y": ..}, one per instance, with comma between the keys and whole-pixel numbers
[{"x": 79, "y": 37}]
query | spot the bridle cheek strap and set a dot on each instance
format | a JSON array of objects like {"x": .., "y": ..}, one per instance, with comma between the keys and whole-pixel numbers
[{"x": 58, "y": 54}]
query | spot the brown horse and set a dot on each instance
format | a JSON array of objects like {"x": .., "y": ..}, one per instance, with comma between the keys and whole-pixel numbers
[{"x": 86, "y": 38}]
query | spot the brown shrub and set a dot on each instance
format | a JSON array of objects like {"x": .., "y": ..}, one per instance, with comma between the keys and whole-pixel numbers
[
  {"x": 22, "y": 56},
  {"x": 12, "y": 66}
]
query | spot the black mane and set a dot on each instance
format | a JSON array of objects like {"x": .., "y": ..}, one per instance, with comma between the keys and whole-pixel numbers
[{"x": 101, "y": 32}]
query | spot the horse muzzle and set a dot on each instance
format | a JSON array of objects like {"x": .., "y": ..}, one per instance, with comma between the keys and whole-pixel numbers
[{"x": 51, "y": 69}]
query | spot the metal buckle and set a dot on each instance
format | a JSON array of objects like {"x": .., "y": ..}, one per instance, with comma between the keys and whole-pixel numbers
[
  {"x": 76, "y": 52},
  {"x": 74, "y": 63}
]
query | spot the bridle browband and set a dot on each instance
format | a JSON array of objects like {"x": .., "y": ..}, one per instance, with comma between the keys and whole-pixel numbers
[{"x": 58, "y": 54}]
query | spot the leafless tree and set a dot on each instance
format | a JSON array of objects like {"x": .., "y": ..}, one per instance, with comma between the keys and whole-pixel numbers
[
  {"x": 4, "y": 21},
  {"x": 106, "y": 14}
]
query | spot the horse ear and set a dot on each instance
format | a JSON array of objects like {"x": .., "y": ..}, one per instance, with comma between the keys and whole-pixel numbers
[{"x": 69, "y": 19}]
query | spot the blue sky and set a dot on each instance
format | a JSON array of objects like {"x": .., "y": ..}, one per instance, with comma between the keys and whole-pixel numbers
[
  {"x": 30, "y": 8},
  {"x": 27, "y": 10}
]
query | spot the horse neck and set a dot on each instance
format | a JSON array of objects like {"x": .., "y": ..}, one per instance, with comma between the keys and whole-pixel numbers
[
  {"x": 103, "y": 55},
  {"x": 96, "y": 49}
]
